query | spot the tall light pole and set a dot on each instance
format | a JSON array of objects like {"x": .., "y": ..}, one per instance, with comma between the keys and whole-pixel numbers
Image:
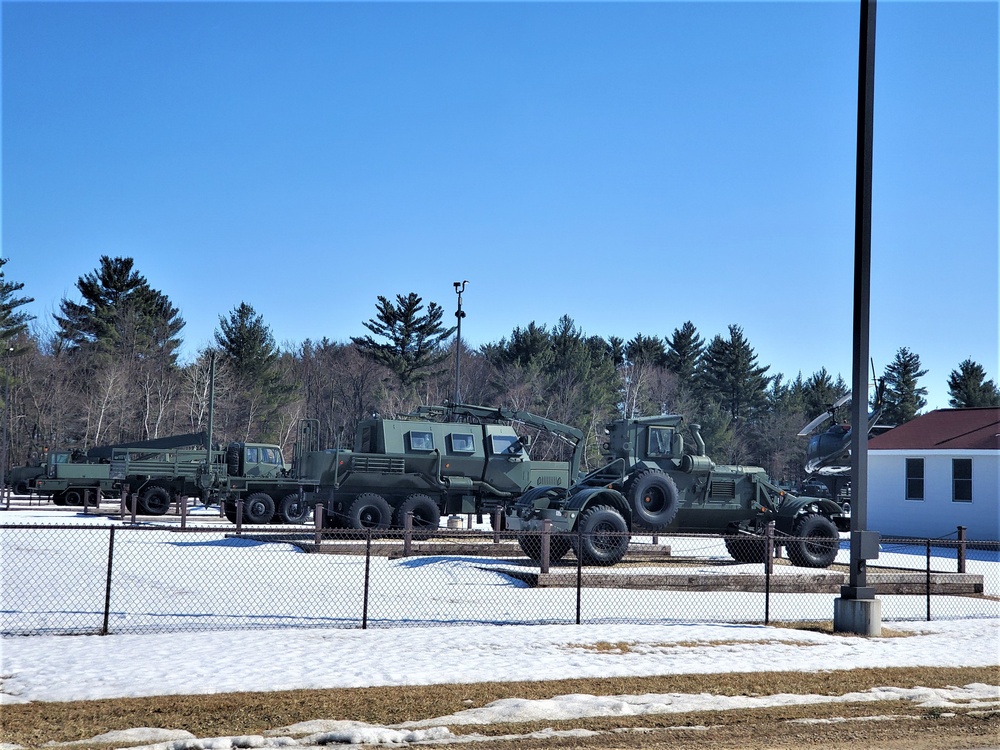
[{"x": 459, "y": 288}]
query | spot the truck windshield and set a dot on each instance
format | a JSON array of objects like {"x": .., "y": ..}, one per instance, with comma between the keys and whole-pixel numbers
[{"x": 506, "y": 444}]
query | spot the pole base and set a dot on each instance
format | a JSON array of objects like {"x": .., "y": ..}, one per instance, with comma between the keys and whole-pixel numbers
[{"x": 859, "y": 616}]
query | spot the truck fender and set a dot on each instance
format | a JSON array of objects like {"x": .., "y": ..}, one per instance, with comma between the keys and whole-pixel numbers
[{"x": 590, "y": 496}]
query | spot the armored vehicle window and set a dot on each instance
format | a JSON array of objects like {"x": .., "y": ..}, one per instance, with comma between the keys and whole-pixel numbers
[
  {"x": 462, "y": 443},
  {"x": 507, "y": 444},
  {"x": 659, "y": 442},
  {"x": 421, "y": 441},
  {"x": 270, "y": 456},
  {"x": 252, "y": 456}
]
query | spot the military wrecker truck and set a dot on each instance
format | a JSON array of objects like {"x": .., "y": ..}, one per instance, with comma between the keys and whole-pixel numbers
[
  {"x": 451, "y": 459},
  {"x": 68, "y": 477},
  {"x": 651, "y": 483}
]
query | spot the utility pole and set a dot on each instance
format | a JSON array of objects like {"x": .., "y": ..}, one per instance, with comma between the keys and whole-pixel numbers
[
  {"x": 459, "y": 288},
  {"x": 857, "y": 610}
]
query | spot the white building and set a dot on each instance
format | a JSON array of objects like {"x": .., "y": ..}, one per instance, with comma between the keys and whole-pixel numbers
[{"x": 935, "y": 473}]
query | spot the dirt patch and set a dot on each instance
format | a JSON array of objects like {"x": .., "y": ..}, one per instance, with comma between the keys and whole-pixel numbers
[{"x": 34, "y": 724}]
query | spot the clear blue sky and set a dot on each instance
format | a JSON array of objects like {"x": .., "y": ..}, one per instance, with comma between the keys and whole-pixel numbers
[{"x": 631, "y": 165}]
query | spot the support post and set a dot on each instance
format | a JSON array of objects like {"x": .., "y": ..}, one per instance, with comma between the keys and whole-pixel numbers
[
  {"x": 961, "y": 549},
  {"x": 857, "y": 610},
  {"x": 545, "y": 546}
]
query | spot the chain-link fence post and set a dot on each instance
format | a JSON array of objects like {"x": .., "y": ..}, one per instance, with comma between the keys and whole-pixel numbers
[
  {"x": 579, "y": 572},
  {"x": 368, "y": 567},
  {"x": 928, "y": 584},
  {"x": 107, "y": 583},
  {"x": 545, "y": 546},
  {"x": 961, "y": 549},
  {"x": 768, "y": 569}
]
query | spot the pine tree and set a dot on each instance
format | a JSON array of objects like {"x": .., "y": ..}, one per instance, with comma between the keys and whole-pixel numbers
[
  {"x": 250, "y": 358},
  {"x": 684, "y": 351},
  {"x": 968, "y": 387},
  {"x": 415, "y": 338},
  {"x": 730, "y": 375},
  {"x": 903, "y": 397},
  {"x": 13, "y": 322},
  {"x": 120, "y": 313}
]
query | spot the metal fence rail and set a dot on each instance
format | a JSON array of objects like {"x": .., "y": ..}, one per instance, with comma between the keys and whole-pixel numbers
[{"x": 69, "y": 579}]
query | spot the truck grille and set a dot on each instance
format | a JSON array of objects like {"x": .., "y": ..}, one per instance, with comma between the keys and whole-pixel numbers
[{"x": 378, "y": 465}]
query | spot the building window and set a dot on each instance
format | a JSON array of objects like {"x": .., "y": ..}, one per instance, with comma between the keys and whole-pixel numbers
[
  {"x": 914, "y": 479},
  {"x": 961, "y": 480}
]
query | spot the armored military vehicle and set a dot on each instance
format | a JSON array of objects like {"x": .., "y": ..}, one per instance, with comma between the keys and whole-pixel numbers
[
  {"x": 452, "y": 459},
  {"x": 652, "y": 484}
]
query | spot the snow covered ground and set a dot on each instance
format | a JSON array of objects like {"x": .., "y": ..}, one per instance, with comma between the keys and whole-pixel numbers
[{"x": 59, "y": 668}]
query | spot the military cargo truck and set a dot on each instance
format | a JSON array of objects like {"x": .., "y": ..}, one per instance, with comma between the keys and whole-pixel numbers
[
  {"x": 452, "y": 459},
  {"x": 652, "y": 483},
  {"x": 253, "y": 472}
]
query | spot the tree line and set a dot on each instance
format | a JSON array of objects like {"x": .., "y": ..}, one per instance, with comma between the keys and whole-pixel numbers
[{"x": 107, "y": 370}]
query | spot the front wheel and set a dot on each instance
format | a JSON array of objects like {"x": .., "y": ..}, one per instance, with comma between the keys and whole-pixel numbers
[
  {"x": 602, "y": 537},
  {"x": 815, "y": 542},
  {"x": 258, "y": 508}
]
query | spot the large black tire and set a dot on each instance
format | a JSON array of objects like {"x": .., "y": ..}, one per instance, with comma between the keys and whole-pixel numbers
[
  {"x": 603, "y": 536},
  {"x": 233, "y": 451},
  {"x": 369, "y": 511},
  {"x": 73, "y": 497},
  {"x": 21, "y": 488},
  {"x": 293, "y": 509},
  {"x": 426, "y": 514},
  {"x": 229, "y": 508},
  {"x": 258, "y": 508},
  {"x": 654, "y": 499},
  {"x": 816, "y": 542},
  {"x": 154, "y": 501},
  {"x": 531, "y": 545},
  {"x": 58, "y": 498},
  {"x": 746, "y": 548}
]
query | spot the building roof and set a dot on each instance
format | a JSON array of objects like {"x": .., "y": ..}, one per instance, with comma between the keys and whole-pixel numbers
[{"x": 943, "y": 430}]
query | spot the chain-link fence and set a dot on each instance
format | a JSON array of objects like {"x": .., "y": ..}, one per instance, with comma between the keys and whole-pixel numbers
[{"x": 140, "y": 579}]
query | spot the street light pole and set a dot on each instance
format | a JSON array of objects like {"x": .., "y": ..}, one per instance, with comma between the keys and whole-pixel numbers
[{"x": 459, "y": 288}]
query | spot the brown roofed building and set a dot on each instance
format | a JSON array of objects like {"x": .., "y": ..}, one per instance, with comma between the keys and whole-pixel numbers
[{"x": 935, "y": 473}]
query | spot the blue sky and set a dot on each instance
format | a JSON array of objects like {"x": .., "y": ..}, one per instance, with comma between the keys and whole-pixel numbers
[{"x": 631, "y": 165}]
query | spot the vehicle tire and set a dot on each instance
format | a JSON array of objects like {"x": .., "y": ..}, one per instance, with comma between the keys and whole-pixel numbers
[
  {"x": 73, "y": 497},
  {"x": 602, "y": 537},
  {"x": 815, "y": 542},
  {"x": 21, "y": 488},
  {"x": 229, "y": 508},
  {"x": 654, "y": 499},
  {"x": 369, "y": 511},
  {"x": 154, "y": 501},
  {"x": 233, "y": 459},
  {"x": 426, "y": 514},
  {"x": 746, "y": 548},
  {"x": 58, "y": 498},
  {"x": 292, "y": 509},
  {"x": 258, "y": 508},
  {"x": 531, "y": 545}
]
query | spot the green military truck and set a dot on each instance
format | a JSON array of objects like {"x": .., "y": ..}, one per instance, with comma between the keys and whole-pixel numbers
[
  {"x": 255, "y": 473},
  {"x": 652, "y": 483},
  {"x": 68, "y": 477},
  {"x": 452, "y": 459}
]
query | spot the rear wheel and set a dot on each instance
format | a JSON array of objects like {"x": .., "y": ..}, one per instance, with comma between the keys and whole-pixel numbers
[
  {"x": 21, "y": 488},
  {"x": 293, "y": 508},
  {"x": 369, "y": 511},
  {"x": 602, "y": 538},
  {"x": 258, "y": 508},
  {"x": 816, "y": 542},
  {"x": 531, "y": 545},
  {"x": 73, "y": 497},
  {"x": 746, "y": 548},
  {"x": 426, "y": 514},
  {"x": 58, "y": 498},
  {"x": 154, "y": 501}
]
